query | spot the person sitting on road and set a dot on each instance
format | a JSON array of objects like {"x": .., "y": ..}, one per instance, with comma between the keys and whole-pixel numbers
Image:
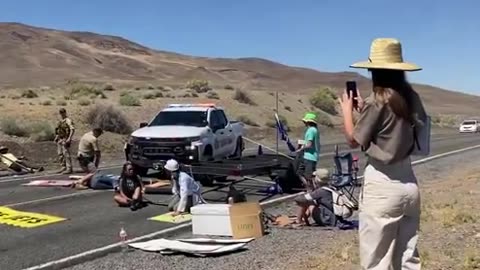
[
  {"x": 308, "y": 201},
  {"x": 129, "y": 192},
  {"x": 186, "y": 192},
  {"x": 18, "y": 165},
  {"x": 88, "y": 151}
]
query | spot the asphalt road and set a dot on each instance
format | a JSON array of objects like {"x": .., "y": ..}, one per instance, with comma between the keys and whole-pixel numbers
[{"x": 94, "y": 221}]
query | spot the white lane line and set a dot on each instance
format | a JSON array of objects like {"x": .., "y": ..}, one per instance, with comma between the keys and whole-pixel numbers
[
  {"x": 91, "y": 254},
  {"x": 95, "y": 253},
  {"x": 53, "y": 198}
]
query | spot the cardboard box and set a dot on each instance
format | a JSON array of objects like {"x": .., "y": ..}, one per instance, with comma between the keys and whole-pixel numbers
[
  {"x": 246, "y": 220},
  {"x": 211, "y": 219}
]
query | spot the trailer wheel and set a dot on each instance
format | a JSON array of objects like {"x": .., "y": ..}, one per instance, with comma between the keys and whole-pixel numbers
[
  {"x": 205, "y": 180},
  {"x": 239, "y": 148}
]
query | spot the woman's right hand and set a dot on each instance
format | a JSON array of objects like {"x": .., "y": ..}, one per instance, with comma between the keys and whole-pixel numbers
[{"x": 360, "y": 102}]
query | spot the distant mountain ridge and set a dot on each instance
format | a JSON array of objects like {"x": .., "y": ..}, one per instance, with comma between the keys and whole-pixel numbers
[{"x": 35, "y": 56}]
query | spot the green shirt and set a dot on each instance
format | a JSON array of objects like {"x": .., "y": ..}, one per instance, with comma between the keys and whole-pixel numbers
[{"x": 311, "y": 153}]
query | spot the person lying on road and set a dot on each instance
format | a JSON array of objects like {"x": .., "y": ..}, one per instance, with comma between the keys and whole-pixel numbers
[
  {"x": 130, "y": 189},
  {"x": 186, "y": 192},
  {"x": 97, "y": 180},
  {"x": 18, "y": 165}
]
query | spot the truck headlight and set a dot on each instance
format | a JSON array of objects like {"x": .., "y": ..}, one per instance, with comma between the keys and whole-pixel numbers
[{"x": 190, "y": 147}]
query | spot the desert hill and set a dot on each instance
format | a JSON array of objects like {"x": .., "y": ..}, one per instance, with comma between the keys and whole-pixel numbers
[{"x": 33, "y": 56}]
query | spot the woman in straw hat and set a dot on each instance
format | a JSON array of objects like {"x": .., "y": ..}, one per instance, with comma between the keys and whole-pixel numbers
[{"x": 390, "y": 201}]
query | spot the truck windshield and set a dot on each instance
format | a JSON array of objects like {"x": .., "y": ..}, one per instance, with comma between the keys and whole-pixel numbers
[
  {"x": 469, "y": 123},
  {"x": 180, "y": 118}
]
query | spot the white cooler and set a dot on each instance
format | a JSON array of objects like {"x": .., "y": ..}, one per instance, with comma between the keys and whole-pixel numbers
[{"x": 211, "y": 219}]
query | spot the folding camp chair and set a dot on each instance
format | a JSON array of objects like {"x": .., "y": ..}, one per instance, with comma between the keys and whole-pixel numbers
[{"x": 345, "y": 175}]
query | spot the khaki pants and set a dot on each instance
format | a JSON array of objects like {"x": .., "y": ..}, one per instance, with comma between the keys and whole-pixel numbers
[
  {"x": 64, "y": 155},
  {"x": 389, "y": 217}
]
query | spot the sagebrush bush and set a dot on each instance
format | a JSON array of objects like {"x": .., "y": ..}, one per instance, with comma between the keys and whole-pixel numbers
[
  {"x": 84, "y": 102},
  {"x": 325, "y": 100},
  {"x": 228, "y": 87},
  {"x": 149, "y": 96},
  {"x": 61, "y": 103},
  {"x": 46, "y": 103},
  {"x": 12, "y": 128},
  {"x": 129, "y": 100},
  {"x": 213, "y": 95},
  {"x": 199, "y": 86},
  {"x": 29, "y": 94},
  {"x": 243, "y": 97},
  {"x": 41, "y": 131},
  {"x": 247, "y": 121},
  {"x": 82, "y": 90},
  {"x": 108, "y": 87},
  {"x": 109, "y": 119}
]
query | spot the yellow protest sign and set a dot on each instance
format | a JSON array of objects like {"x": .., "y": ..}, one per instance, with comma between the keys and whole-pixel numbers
[
  {"x": 22, "y": 219},
  {"x": 172, "y": 219}
]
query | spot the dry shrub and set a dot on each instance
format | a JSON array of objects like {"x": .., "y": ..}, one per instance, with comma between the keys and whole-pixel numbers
[
  {"x": 128, "y": 100},
  {"x": 29, "y": 94},
  {"x": 213, "y": 95},
  {"x": 325, "y": 100},
  {"x": 199, "y": 86},
  {"x": 243, "y": 97},
  {"x": 109, "y": 119},
  {"x": 247, "y": 121}
]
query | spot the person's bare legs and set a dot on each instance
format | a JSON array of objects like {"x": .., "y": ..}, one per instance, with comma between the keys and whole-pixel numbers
[
  {"x": 122, "y": 201},
  {"x": 84, "y": 182}
]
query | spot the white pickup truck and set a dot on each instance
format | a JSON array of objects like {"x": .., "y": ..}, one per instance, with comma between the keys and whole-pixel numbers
[{"x": 187, "y": 132}]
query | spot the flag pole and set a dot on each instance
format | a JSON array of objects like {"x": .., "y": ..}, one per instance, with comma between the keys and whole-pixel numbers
[{"x": 276, "y": 110}]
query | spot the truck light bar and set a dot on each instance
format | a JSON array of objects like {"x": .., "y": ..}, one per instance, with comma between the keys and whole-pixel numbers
[{"x": 212, "y": 105}]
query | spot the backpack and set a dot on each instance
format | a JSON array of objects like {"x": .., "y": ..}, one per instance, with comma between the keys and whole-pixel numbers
[{"x": 342, "y": 206}]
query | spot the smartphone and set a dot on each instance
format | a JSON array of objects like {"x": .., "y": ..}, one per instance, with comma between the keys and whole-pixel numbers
[{"x": 352, "y": 91}]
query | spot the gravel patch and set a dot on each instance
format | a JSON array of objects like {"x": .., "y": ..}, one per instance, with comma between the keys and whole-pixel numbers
[{"x": 281, "y": 248}]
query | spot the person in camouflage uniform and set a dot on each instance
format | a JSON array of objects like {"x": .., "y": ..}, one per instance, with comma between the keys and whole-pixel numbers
[{"x": 63, "y": 137}]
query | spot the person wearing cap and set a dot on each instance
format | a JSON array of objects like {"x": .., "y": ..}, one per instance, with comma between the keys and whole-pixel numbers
[
  {"x": 63, "y": 137},
  {"x": 186, "y": 191},
  {"x": 16, "y": 164},
  {"x": 389, "y": 215},
  {"x": 88, "y": 151},
  {"x": 310, "y": 148}
]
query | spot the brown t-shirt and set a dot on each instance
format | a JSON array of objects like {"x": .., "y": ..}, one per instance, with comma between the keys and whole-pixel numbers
[
  {"x": 88, "y": 145},
  {"x": 385, "y": 136}
]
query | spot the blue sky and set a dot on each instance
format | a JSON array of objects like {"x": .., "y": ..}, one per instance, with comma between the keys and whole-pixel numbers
[{"x": 328, "y": 35}]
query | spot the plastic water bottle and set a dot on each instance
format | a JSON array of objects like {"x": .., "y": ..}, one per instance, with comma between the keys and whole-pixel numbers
[{"x": 123, "y": 238}]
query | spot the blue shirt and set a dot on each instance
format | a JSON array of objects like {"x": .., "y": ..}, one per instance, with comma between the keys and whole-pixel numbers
[{"x": 311, "y": 153}]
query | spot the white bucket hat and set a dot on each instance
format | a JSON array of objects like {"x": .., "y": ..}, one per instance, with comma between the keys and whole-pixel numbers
[
  {"x": 171, "y": 165},
  {"x": 386, "y": 53}
]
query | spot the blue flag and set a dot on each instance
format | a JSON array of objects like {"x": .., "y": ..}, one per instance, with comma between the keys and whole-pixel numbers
[{"x": 283, "y": 134}]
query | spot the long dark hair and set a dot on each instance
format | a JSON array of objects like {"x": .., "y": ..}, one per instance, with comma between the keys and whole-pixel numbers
[
  {"x": 123, "y": 174},
  {"x": 392, "y": 88}
]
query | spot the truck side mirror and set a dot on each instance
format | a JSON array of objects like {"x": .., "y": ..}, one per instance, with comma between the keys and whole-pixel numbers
[{"x": 143, "y": 124}]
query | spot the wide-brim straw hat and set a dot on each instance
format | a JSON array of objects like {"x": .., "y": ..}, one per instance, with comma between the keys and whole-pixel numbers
[{"x": 386, "y": 53}]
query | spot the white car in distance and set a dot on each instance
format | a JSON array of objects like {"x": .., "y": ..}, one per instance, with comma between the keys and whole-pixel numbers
[{"x": 469, "y": 126}]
